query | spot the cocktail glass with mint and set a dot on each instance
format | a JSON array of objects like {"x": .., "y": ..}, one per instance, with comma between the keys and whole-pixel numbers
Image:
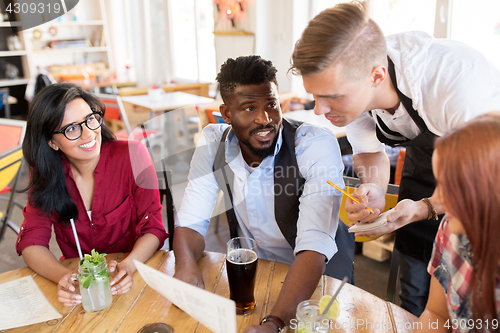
[{"x": 93, "y": 277}]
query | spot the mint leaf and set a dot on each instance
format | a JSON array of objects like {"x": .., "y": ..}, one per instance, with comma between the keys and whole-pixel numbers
[
  {"x": 93, "y": 260},
  {"x": 86, "y": 281}
]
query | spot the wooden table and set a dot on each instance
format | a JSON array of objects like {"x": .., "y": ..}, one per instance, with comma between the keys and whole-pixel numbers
[
  {"x": 361, "y": 311},
  {"x": 103, "y": 82},
  {"x": 195, "y": 88},
  {"x": 169, "y": 101},
  {"x": 174, "y": 124}
]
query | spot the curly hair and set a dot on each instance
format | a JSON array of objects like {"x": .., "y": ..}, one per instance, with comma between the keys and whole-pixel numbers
[
  {"x": 247, "y": 70},
  {"x": 47, "y": 187}
]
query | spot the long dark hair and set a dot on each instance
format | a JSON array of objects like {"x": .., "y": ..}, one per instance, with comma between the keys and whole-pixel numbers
[
  {"x": 47, "y": 187},
  {"x": 468, "y": 173}
]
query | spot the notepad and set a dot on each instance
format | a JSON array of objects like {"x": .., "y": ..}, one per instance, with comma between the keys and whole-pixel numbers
[{"x": 381, "y": 220}]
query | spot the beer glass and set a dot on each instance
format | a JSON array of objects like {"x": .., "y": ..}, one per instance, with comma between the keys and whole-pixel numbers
[
  {"x": 94, "y": 286},
  {"x": 241, "y": 264}
]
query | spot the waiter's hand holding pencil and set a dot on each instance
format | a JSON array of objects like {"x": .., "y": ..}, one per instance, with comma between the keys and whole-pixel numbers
[{"x": 349, "y": 196}]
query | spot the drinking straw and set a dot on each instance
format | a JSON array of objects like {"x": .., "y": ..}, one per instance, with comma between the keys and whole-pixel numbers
[
  {"x": 334, "y": 296},
  {"x": 81, "y": 256},
  {"x": 76, "y": 239},
  {"x": 348, "y": 195}
]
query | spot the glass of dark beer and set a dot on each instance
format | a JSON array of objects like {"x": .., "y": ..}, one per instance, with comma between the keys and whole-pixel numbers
[{"x": 241, "y": 263}]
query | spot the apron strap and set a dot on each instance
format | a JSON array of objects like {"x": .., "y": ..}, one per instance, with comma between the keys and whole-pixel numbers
[{"x": 407, "y": 102}]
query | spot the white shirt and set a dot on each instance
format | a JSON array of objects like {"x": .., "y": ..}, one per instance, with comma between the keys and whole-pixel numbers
[
  {"x": 448, "y": 82},
  {"x": 318, "y": 158}
]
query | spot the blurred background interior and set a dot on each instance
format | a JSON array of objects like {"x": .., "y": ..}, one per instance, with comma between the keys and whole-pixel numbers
[{"x": 138, "y": 53}]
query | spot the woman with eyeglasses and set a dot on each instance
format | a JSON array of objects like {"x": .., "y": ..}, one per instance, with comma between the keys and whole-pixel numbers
[{"x": 79, "y": 171}]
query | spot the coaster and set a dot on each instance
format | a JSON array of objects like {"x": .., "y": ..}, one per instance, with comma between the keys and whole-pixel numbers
[
  {"x": 365, "y": 226},
  {"x": 157, "y": 327}
]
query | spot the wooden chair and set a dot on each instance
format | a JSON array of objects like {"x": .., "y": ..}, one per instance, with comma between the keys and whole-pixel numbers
[
  {"x": 116, "y": 119},
  {"x": 167, "y": 201},
  {"x": 164, "y": 183},
  {"x": 115, "y": 112},
  {"x": 11, "y": 161},
  {"x": 391, "y": 200}
]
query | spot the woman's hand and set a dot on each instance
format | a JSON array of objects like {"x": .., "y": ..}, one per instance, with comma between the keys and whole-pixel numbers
[
  {"x": 122, "y": 276},
  {"x": 66, "y": 290}
]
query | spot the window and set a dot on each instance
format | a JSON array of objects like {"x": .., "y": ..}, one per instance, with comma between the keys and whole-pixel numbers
[
  {"x": 192, "y": 47},
  {"x": 478, "y": 25},
  {"x": 404, "y": 15}
]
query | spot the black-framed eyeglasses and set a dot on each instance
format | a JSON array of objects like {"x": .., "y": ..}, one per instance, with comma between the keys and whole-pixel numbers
[{"x": 74, "y": 130}]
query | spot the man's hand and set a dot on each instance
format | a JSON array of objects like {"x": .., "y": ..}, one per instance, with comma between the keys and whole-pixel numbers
[
  {"x": 188, "y": 249},
  {"x": 370, "y": 195},
  {"x": 267, "y": 327},
  {"x": 189, "y": 273},
  {"x": 405, "y": 212}
]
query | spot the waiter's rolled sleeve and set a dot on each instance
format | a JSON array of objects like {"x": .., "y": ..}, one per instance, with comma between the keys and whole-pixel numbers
[{"x": 362, "y": 135}]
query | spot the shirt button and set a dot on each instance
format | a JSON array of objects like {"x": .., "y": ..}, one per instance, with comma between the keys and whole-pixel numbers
[{"x": 146, "y": 217}]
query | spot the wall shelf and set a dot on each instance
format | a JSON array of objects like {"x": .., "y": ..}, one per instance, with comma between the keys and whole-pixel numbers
[
  {"x": 9, "y": 24},
  {"x": 13, "y": 53},
  {"x": 7, "y": 83},
  {"x": 76, "y": 23},
  {"x": 74, "y": 50},
  {"x": 91, "y": 26}
]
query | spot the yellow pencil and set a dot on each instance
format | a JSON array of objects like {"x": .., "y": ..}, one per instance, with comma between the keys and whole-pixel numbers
[{"x": 348, "y": 195}]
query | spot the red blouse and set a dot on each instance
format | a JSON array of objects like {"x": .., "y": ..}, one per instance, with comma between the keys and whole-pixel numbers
[{"x": 126, "y": 205}]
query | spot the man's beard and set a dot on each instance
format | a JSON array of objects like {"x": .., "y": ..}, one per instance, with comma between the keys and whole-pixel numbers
[{"x": 263, "y": 152}]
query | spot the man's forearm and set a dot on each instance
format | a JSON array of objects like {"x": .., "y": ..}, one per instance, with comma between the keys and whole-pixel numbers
[
  {"x": 300, "y": 283},
  {"x": 373, "y": 168},
  {"x": 188, "y": 245}
]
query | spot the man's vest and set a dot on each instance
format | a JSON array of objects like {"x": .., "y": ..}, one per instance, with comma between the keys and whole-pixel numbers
[{"x": 288, "y": 183}]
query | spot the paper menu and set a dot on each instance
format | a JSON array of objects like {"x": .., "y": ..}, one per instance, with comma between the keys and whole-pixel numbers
[
  {"x": 22, "y": 303},
  {"x": 378, "y": 222},
  {"x": 215, "y": 312}
]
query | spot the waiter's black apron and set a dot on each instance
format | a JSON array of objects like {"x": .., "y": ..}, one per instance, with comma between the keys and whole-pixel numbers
[{"x": 417, "y": 179}]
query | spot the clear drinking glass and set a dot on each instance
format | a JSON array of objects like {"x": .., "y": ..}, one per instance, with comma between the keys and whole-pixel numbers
[
  {"x": 94, "y": 284},
  {"x": 241, "y": 264},
  {"x": 309, "y": 318}
]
